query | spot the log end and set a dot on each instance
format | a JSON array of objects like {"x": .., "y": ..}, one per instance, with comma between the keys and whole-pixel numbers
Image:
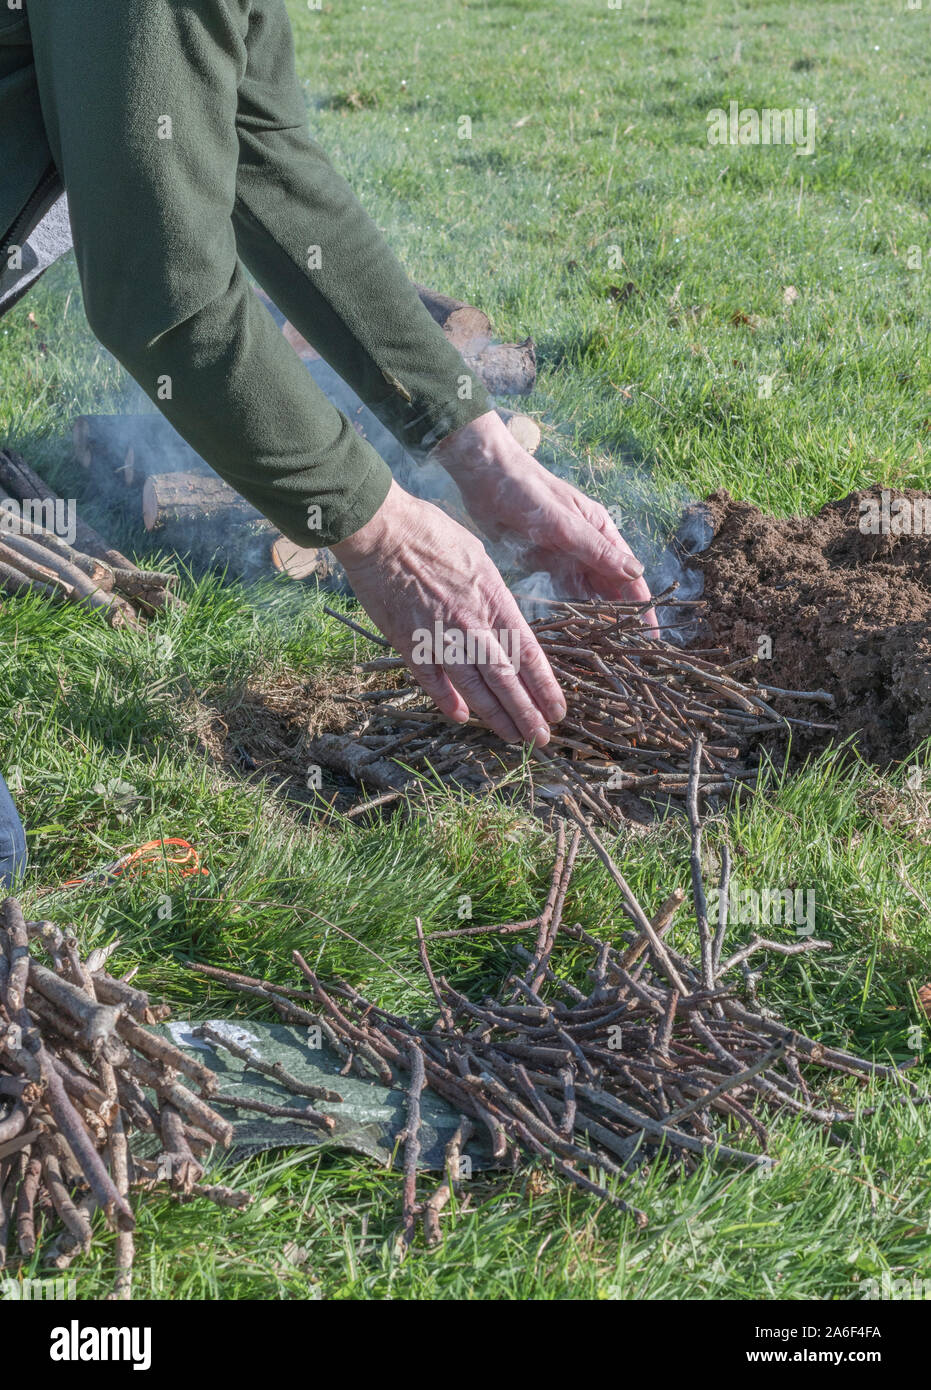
[
  {"x": 149, "y": 505},
  {"x": 506, "y": 369},
  {"x": 300, "y": 562},
  {"x": 524, "y": 429}
]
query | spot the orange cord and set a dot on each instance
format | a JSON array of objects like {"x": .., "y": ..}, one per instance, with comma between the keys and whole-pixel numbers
[
  {"x": 148, "y": 856},
  {"x": 188, "y": 863}
]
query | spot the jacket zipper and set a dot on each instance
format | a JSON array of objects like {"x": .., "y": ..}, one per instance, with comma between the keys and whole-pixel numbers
[{"x": 22, "y": 221}]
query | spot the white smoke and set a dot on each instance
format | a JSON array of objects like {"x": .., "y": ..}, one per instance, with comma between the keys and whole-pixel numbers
[{"x": 663, "y": 531}]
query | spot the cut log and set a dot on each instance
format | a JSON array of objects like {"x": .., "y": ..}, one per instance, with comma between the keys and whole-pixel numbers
[
  {"x": 345, "y": 755},
  {"x": 13, "y": 581},
  {"x": 205, "y": 522},
  {"x": 524, "y": 429},
  {"x": 129, "y": 448},
  {"x": 25, "y": 486},
  {"x": 38, "y": 562},
  {"x": 238, "y": 551},
  {"x": 97, "y": 570},
  {"x": 192, "y": 498},
  {"x": 506, "y": 369},
  {"x": 301, "y": 562},
  {"x": 28, "y": 566},
  {"x": 467, "y": 328},
  {"x": 150, "y": 591}
]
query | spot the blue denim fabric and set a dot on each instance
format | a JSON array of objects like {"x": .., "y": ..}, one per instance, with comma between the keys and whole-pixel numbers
[{"x": 12, "y": 840}]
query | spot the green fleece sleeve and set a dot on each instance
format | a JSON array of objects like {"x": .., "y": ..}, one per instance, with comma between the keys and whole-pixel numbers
[{"x": 151, "y": 108}]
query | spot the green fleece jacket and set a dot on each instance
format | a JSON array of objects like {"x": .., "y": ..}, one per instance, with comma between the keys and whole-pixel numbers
[{"x": 179, "y": 130}]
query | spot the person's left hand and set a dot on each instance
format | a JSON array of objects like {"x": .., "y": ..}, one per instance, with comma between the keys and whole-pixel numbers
[{"x": 510, "y": 495}]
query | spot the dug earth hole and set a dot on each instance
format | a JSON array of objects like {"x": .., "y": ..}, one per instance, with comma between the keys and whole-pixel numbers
[{"x": 845, "y": 602}]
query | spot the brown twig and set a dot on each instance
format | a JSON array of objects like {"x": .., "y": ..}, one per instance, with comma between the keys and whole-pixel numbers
[{"x": 412, "y": 1144}]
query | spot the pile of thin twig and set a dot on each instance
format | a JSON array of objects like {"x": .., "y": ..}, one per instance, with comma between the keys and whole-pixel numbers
[
  {"x": 36, "y": 558},
  {"x": 80, "y": 1070},
  {"x": 635, "y": 703},
  {"x": 661, "y": 1051}
]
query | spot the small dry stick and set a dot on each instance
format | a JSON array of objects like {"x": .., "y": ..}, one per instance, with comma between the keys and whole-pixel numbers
[
  {"x": 698, "y": 887},
  {"x": 177, "y": 1158},
  {"x": 730, "y": 1083},
  {"x": 282, "y": 1112},
  {"x": 445, "y": 1013},
  {"x": 501, "y": 929},
  {"x": 125, "y": 1241},
  {"x": 375, "y": 637},
  {"x": 724, "y": 887},
  {"x": 630, "y": 901},
  {"x": 412, "y": 1145},
  {"x": 451, "y": 1187},
  {"x": 273, "y": 1069},
  {"x": 26, "y": 1207}
]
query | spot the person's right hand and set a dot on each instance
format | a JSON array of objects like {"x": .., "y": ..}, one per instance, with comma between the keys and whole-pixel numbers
[{"x": 412, "y": 567}]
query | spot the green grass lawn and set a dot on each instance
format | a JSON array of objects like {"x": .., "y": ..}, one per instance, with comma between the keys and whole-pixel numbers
[{"x": 588, "y": 169}]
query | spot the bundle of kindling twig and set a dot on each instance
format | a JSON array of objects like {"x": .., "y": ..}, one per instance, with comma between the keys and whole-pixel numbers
[
  {"x": 34, "y": 558},
  {"x": 80, "y": 1070},
  {"x": 661, "y": 1050},
  {"x": 635, "y": 704}
]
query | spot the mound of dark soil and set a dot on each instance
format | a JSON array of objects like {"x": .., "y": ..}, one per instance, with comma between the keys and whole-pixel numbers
[{"x": 844, "y": 596}]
